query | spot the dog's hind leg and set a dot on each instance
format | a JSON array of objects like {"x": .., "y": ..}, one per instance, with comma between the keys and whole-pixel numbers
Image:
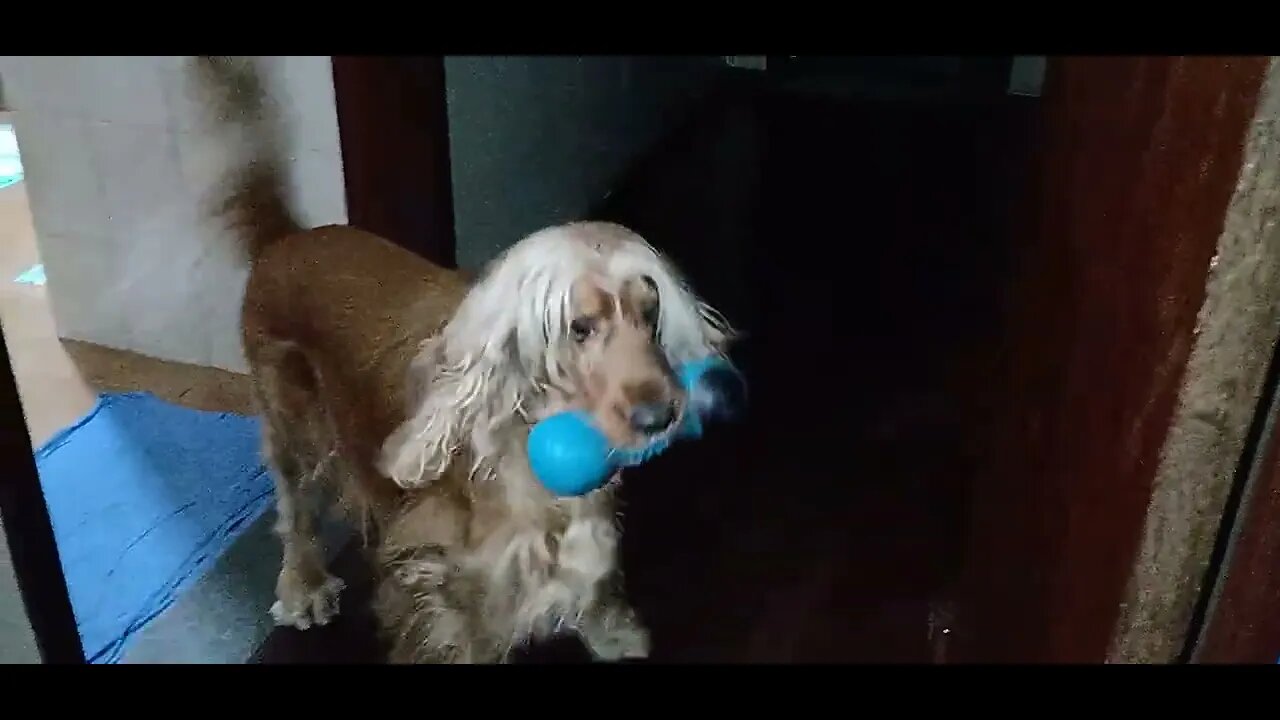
[{"x": 306, "y": 593}]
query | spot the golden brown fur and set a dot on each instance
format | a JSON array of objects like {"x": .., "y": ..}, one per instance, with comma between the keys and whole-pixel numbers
[{"x": 406, "y": 393}]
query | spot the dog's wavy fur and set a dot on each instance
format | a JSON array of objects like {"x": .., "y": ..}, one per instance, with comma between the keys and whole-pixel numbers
[{"x": 389, "y": 383}]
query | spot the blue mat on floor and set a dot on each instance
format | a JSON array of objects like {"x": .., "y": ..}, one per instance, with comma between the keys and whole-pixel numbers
[{"x": 144, "y": 496}]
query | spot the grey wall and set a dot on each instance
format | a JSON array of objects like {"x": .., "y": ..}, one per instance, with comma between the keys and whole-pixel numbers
[
  {"x": 538, "y": 140},
  {"x": 17, "y": 642}
]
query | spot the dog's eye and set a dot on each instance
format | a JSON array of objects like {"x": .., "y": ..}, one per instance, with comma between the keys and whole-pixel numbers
[
  {"x": 649, "y": 303},
  {"x": 650, "y": 316},
  {"x": 581, "y": 328}
]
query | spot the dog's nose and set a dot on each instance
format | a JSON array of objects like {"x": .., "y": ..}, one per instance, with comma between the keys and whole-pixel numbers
[{"x": 652, "y": 418}]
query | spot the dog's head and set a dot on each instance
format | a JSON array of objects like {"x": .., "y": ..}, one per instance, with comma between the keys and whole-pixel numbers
[{"x": 585, "y": 315}]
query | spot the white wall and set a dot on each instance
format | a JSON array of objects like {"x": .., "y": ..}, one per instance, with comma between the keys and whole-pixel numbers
[
  {"x": 118, "y": 177},
  {"x": 116, "y": 174}
]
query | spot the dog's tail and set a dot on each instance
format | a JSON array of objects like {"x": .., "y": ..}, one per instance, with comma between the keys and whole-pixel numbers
[{"x": 252, "y": 197}]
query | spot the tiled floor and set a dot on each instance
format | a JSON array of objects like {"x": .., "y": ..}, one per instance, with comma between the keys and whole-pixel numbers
[{"x": 58, "y": 381}]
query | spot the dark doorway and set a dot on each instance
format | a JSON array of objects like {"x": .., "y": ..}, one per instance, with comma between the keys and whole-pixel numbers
[{"x": 857, "y": 227}]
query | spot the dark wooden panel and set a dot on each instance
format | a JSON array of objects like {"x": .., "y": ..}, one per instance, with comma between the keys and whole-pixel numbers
[
  {"x": 1244, "y": 626},
  {"x": 393, "y": 127},
  {"x": 1137, "y": 160},
  {"x": 30, "y": 535}
]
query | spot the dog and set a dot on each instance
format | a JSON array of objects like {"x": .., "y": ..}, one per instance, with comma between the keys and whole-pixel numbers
[{"x": 402, "y": 394}]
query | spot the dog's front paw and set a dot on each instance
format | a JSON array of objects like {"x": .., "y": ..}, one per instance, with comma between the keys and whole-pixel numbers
[{"x": 300, "y": 606}]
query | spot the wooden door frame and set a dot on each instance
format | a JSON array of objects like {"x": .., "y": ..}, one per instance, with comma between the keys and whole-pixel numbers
[
  {"x": 1237, "y": 620},
  {"x": 29, "y": 533},
  {"x": 1224, "y": 399},
  {"x": 393, "y": 128},
  {"x": 1131, "y": 372}
]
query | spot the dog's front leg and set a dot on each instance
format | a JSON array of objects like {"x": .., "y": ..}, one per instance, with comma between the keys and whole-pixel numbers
[{"x": 614, "y": 632}]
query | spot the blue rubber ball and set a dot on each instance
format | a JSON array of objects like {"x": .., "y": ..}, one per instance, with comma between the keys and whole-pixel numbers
[{"x": 569, "y": 455}]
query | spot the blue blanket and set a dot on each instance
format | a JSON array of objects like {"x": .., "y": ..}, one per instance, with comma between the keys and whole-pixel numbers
[{"x": 144, "y": 496}]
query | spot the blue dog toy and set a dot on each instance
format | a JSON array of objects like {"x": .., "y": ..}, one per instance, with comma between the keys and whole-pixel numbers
[{"x": 571, "y": 456}]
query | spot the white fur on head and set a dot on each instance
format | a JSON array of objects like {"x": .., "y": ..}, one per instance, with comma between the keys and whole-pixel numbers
[{"x": 505, "y": 350}]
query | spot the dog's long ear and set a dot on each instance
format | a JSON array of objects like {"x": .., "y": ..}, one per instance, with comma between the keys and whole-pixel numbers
[
  {"x": 688, "y": 327},
  {"x": 471, "y": 381},
  {"x": 422, "y": 447}
]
